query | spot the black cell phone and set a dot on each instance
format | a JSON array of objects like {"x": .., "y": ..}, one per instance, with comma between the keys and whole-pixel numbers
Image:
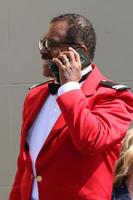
[{"x": 83, "y": 58}]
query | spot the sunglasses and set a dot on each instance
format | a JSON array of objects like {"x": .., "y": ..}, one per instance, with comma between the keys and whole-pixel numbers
[{"x": 48, "y": 44}]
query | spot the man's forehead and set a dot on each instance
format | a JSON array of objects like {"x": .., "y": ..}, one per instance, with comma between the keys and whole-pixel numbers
[{"x": 57, "y": 30}]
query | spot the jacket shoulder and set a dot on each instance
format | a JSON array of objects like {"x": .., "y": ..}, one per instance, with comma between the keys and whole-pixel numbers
[
  {"x": 39, "y": 84},
  {"x": 114, "y": 85}
]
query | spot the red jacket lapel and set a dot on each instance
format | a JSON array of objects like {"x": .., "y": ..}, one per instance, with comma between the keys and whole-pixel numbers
[{"x": 33, "y": 104}]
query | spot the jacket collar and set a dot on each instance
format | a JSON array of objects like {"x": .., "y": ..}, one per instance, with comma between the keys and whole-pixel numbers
[{"x": 90, "y": 85}]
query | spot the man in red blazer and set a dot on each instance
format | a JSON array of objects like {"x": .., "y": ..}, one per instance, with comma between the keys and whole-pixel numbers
[{"x": 71, "y": 139}]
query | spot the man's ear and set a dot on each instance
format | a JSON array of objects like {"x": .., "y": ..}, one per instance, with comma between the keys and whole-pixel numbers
[{"x": 84, "y": 47}]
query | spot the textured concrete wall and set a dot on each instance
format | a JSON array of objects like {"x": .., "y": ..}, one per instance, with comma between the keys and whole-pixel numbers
[{"x": 22, "y": 24}]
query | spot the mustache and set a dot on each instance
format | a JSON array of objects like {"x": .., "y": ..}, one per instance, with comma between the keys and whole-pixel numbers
[{"x": 46, "y": 56}]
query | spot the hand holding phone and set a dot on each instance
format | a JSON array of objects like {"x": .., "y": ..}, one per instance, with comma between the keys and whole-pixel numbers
[{"x": 83, "y": 58}]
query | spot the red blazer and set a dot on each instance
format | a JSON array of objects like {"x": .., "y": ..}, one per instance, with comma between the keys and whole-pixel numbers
[{"x": 77, "y": 160}]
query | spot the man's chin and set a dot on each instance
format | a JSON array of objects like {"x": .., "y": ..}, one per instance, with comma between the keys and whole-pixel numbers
[{"x": 47, "y": 73}]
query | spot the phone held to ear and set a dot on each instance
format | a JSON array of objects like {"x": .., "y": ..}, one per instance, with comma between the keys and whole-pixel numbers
[{"x": 83, "y": 58}]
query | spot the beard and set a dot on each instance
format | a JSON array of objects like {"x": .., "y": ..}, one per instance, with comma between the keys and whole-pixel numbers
[{"x": 47, "y": 72}]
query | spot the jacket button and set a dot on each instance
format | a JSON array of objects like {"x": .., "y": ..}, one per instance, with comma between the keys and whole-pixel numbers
[{"x": 39, "y": 178}]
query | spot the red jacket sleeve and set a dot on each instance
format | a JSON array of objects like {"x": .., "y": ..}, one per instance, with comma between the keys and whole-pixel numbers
[{"x": 93, "y": 128}]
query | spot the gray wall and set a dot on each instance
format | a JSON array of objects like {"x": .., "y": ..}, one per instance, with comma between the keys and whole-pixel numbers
[{"x": 22, "y": 23}]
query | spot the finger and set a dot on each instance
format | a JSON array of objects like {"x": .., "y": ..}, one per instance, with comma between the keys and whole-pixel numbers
[
  {"x": 63, "y": 58},
  {"x": 58, "y": 62},
  {"x": 70, "y": 55},
  {"x": 77, "y": 57}
]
